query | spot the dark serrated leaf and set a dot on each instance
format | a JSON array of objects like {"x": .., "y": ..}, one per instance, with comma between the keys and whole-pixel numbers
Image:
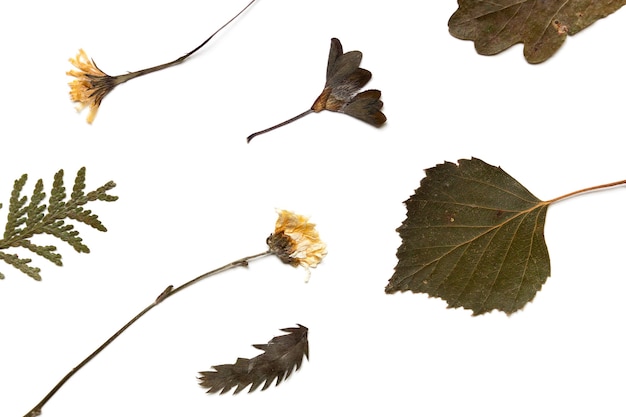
[
  {"x": 281, "y": 356},
  {"x": 473, "y": 236},
  {"x": 541, "y": 26}
]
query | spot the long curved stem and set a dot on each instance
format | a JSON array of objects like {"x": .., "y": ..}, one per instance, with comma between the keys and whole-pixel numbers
[
  {"x": 269, "y": 129},
  {"x": 168, "y": 292},
  {"x": 126, "y": 77}
]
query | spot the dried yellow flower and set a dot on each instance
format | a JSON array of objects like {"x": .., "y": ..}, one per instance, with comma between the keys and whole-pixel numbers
[
  {"x": 90, "y": 86},
  {"x": 295, "y": 241}
]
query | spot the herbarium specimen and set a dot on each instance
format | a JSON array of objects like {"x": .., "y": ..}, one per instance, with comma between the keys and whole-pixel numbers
[
  {"x": 295, "y": 241},
  {"x": 27, "y": 219},
  {"x": 91, "y": 84},
  {"x": 473, "y": 236},
  {"x": 344, "y": 79},
  {"x": 280, "y": 357},
  {"x": 541, "y": 26}
]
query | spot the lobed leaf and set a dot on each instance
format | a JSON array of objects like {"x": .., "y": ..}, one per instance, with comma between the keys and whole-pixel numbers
[
  {"x": 473, "y": 236},
  {"x": 281, "y": 356},
  {"x": 541, "y": 26}
]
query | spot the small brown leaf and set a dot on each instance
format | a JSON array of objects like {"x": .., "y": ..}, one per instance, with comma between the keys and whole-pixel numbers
[
  {"x": 541, "y": 26},
  {"x": 281, "y": 355},
  {"x": 344, "y": 79}
]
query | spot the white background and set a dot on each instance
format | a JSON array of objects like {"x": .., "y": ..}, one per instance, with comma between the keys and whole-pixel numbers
[{"x": 194, "y": 196}]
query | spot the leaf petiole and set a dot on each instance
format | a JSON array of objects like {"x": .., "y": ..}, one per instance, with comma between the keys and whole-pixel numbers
[
  {"x": 286, "y": 122},
  {"x": 586, "y": 190}
]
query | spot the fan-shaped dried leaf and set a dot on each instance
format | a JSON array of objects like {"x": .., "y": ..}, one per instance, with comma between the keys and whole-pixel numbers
[
  {"x": 280, "y": 357},
  {"x": 541, "y": 26},
  {"x": 473, "y": 236},
  {"x": 344, "y": 79}
]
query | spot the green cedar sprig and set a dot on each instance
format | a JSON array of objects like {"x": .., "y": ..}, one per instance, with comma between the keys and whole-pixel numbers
[{"x": 26, "y": 219}]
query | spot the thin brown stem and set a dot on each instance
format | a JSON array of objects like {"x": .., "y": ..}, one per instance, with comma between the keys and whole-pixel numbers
[
  {"x": 586, "y": 190},
  {"x": 126, "y": 77},
  {"x": 269, "y": 129},
  {"x": 168, "y": 292}
]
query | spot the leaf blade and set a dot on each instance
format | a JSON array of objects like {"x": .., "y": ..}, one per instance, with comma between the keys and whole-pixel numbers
[
  {"x": 473, "y": 236},
  {"x": 541, "y": 26}
]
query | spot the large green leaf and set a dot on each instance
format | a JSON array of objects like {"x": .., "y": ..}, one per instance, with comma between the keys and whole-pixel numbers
[
  {"x": 541, "y": 26},
  {"x": 473, "y": 236}
]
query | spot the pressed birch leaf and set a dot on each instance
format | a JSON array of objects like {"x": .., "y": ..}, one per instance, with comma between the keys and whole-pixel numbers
[
  {"x": 541, "y": 26},
  {"x": 473, "y": 236},
  {"x": 280, "y": 357}
]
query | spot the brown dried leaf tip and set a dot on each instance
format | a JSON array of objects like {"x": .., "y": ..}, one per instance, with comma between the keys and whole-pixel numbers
[
  {"x": 344, "y": 79},
  {"x": 296, "y": 242}
]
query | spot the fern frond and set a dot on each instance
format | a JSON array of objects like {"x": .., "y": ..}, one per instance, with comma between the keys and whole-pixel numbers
[
  {"x": 35, "y": 210},
  {"x": 57, "y": 195},
  {"x": 48, "y": 251},
  {"x": 67, "y": 234},
  {"x": 21, "y": 264},
  {"x": 27, "y": 219},
  {"x": 79, "y": 184},
  {"x": 16, "y": 218},
  {"x": 85, "y": 216}
]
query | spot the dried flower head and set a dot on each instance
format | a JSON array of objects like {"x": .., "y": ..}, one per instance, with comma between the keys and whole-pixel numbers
[
  {"x": 295, "y": 241},
  {"x": 90, "y": 86},
  {"x": 344, "y": 79}
]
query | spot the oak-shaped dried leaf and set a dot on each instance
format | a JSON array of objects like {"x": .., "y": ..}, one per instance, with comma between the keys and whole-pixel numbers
[
  {"x": 541, "y": 26},
  {"x": 280, "y": 357},
  {"x": 473, "y": 236}
]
